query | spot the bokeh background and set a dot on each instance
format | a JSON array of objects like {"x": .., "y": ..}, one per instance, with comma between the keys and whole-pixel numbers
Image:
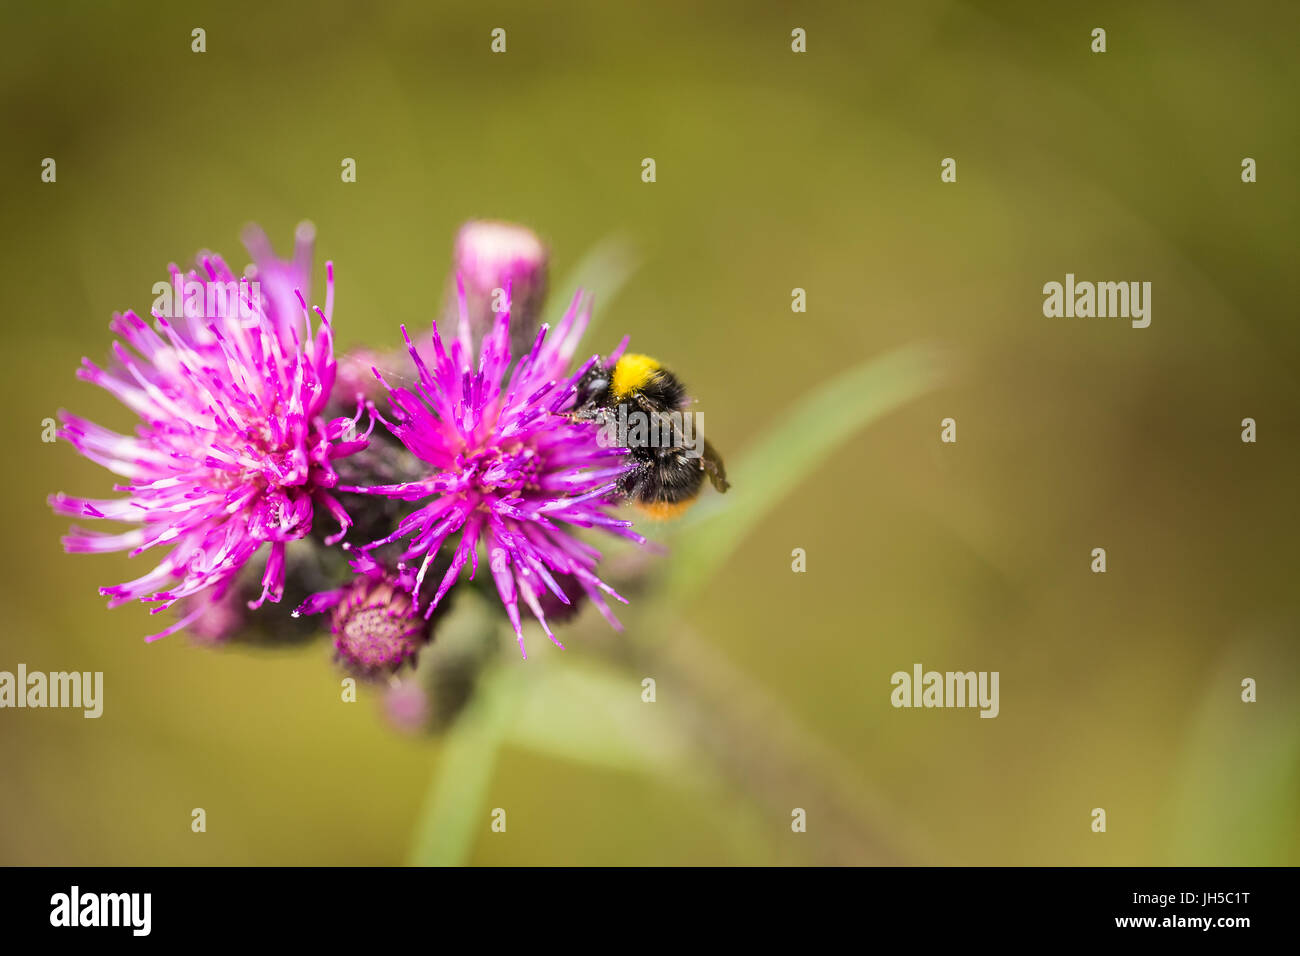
[{"x": 775, "y": 171}]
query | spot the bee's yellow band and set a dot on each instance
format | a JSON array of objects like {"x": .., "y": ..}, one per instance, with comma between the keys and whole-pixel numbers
[{"x": 631, "y": 374}]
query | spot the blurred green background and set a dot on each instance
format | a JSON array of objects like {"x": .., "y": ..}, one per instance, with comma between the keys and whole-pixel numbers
[{"x": 775, "y": 171}]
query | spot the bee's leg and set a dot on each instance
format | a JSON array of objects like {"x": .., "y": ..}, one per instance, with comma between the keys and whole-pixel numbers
[
  {"x": 632, "y": 482},
  {"x": 599, "y": 414},
  {"x": 712, "y": 464}
]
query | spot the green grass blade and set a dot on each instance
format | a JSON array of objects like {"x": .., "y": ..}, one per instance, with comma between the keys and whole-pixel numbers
[
  {"x": 589, "y": 713},
  {"x": 455, "y": 809}
]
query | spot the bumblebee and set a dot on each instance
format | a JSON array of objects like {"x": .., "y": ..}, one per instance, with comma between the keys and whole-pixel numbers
[{"x": 647, "y": 405}]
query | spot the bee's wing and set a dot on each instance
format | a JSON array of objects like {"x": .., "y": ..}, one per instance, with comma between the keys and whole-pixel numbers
[{"x": 711, "y": 462}]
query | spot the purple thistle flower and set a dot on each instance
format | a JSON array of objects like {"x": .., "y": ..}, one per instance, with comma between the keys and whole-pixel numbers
[
  {"x": 232, "y": 451},
  {"x": 509, "y": 470}
]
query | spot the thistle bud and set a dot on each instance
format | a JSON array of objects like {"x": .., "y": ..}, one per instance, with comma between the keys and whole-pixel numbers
[
  {"x": 356, "y": 378},
  {"x": 376, "y": 627},
  {"x": 406, "y": 705},
  {"x": 220, "y": 618},
  {"x": 491, "y": 258}
]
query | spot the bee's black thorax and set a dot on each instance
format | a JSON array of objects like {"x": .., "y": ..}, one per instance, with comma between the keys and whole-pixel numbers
[{"x": 662, "y": 392}]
